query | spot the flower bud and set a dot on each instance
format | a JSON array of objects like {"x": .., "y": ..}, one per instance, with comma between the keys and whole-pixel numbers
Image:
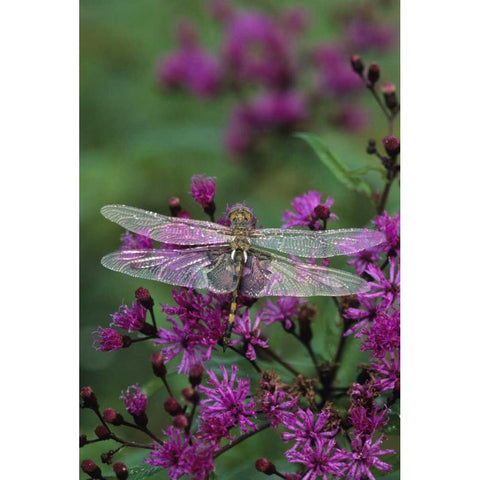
[
  {"x": 357, "y": 64},
  {"x": 83, "y": 440},
  {"x": 111, "y": 416},
  {"x": 180, "y": 420},
  {"x": 391, "y": 145},
  {"x": 158, "y": 365},
  {"x": 89, "y": 400},
  {"x": 120, "y": 470},
  {"x": 190, "y": 395},
  {"x": 172, "y": 406},
  {"x": 141, "y": 419},
  {"x": 174, "y": 205},
  {"x": 373, "y": 73},
  {"x": 91, "y": 468},
  {"x": 322, "y": 212},
  {"x": 144, "y": 298},
  {"x": 389, "y": 96},
  {"x": 107, "y": 457},
  {"x": 102, "y": 432},
  {"x": 195, "y": 376},
  {"x": 265, "y": 466},
  {"x": 371, "y": 147}
]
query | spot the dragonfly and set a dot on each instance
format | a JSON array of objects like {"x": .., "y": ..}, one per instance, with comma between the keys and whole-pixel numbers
[{"x": 238, "y": 259}]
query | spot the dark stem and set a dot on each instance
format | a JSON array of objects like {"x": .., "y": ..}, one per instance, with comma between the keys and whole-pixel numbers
[
  {"x": 252, "y": 362},
  {"x": 382, "y": 106},
  {"x": 384, "y": 198},
  {"x": 153, "y": 319},
  {"x": 282, "y": 362},
  {"x": 241, "y": 438},
  {"x": 142, "y": 429}
]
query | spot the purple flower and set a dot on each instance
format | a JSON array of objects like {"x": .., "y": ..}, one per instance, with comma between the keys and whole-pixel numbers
[
  {"x": 108, "y": 340},
  {"x": 284, "y": 311},
  {"x": 132, "y": 318},
  {"x": 365, "y": 315},
  {"x": 134, "y": 400},
  {"x": 386, "y": 371},
  {"x": 363, "y": 457},
  {"x": 366, "y": 421},
  {"x": 203, "y": 190},
  {"x": 387, "y": 289},
  {"x": 249, "y": 334},
  {"x": 228, "y": 401},
  {"x": 188, "y": 339},
  {"x": 319, "y": 459},
  {"x": 384, "y": 334},
  {"x": 255, "y": 49},
  {"x": 309, "y": 211},
  {"x": 390, "y": 226},
  {"x": 135, "y": 241},
  {"x": 180, "y": 457},
  {"x": 212, "y": 429},
  {"x": 306, "y": 427},
  {"x": 277, "y": 406}
]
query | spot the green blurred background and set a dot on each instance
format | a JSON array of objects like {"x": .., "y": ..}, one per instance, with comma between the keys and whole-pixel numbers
[{"x": 140, "y": 146}]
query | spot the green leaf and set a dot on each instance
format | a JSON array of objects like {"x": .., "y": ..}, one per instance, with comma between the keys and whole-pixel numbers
[
  {"x": 142, "y": 471},
  {"x": 351, "y": 179}
]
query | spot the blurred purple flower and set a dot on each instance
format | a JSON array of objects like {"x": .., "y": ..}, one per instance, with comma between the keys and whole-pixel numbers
[
  {"x": 250, "y": 334},
  {"x": 203, "y": 190},
  {"x": 336, "y": 74},
  {"x": 107, "y": 340},
  {"x": 352, "y": 118},
  {"x": 318, "y": 459},
  {"x": 309, "y": 211},
  {"x": 256, "y": 49},
  {"x": 366, "y": 312},
  {"x": 229, "y": 401},
  {"x": 132, "y": 318},
  {"x": 135, "y": 400},
  {"x": 363, "y": 457},
  {"x": 295, "y": 20},
  {"x": 189, "y": 67},
  {"x": 362, "y": 35}
]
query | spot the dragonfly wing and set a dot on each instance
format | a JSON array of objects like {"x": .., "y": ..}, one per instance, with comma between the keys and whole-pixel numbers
[
  {"x": 197, "y": 267},
  {"x": 321, "y": 244},
  {"x": 172, "y": 230},
  {"x": 267, "y": 274}
]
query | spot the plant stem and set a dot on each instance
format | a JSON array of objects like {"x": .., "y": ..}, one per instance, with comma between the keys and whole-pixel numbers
[
  {"x": 241, "y": 438},
  {"x": 282, "y": 362},
  {"x": 252, "y": 362}
]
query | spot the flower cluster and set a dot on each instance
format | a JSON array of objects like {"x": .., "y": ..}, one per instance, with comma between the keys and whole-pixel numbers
[
  {"x": 263, "y": 62},
  {"x": 215, "y": 413}
]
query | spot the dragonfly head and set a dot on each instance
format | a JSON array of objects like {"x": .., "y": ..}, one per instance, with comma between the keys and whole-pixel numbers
[{"x": 241, "y": 216}]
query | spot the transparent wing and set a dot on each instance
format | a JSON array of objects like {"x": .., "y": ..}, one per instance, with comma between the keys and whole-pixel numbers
[
  {"x": 197, "y": 267},
  {"x": 324, "y": 244},
  {"x": 172, "y": 230},
  {"x": 267, "y": 274}
]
